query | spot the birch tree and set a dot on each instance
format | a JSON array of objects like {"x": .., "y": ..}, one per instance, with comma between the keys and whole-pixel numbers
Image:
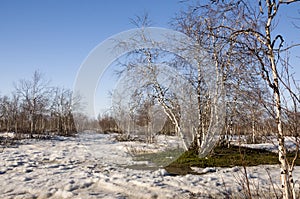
[
  {"x": 143, "y": 82},
  {"x": 191, "y": 97},
  {"x": 267, "y": 58},
  {"x": 245, "y": 29}
]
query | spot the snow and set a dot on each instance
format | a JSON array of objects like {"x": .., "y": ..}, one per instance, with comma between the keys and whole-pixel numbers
[
  {"x": 96, "y": 166},
  {"x": 8, "y": 134},
  {"x": 271, "y": 144}
]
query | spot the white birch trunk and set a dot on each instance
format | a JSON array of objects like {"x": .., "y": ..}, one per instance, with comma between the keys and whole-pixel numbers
[{"x": 284, "y": 168}]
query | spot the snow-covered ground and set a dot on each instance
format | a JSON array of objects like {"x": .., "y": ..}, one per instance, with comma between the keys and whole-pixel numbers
[
  {"x": 270, "y": 143},
  {"x": 96, "y": 166}
]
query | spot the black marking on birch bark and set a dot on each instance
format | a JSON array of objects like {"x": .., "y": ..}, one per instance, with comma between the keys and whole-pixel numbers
[{"x": 283, "y": 171}]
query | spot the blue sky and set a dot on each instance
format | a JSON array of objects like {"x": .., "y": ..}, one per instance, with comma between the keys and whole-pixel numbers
[{"x": 55, "y": 36}]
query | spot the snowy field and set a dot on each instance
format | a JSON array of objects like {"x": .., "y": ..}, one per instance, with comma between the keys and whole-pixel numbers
[{"x": 95, "y": 166}]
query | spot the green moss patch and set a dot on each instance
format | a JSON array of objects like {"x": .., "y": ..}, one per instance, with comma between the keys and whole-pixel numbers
[
  {"x": 224, "y": 157},
  {"x": 178, "y": 162}
]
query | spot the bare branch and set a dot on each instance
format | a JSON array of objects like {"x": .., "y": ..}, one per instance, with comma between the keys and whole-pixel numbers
[{"x": 288, "y": 1}]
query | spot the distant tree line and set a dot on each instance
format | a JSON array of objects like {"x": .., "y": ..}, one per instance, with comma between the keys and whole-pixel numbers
[{"x": 37, "y": 108}]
